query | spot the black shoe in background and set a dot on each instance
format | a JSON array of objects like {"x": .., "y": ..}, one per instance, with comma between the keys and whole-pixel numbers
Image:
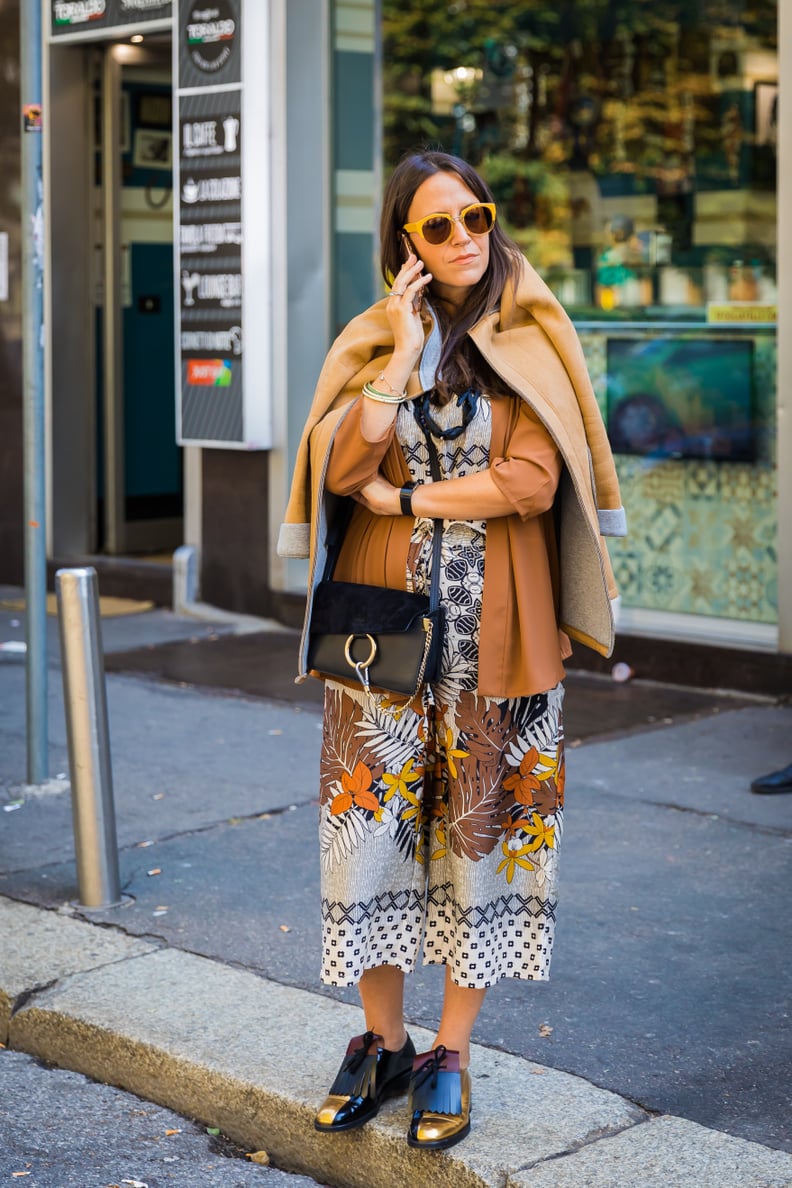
[{"x": 776, "y": 781}]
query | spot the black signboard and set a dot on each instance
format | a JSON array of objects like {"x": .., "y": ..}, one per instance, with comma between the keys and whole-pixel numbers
[
  {"x": 90, "y": 18},
  {"x": 210, "y": 265},
  {"x": 209, "y": 235}
]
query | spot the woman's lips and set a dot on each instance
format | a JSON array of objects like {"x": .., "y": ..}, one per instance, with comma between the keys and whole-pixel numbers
[{"x": 467, "y": 259}]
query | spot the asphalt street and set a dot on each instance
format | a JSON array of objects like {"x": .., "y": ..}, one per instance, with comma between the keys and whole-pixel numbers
[
  {"x": 62, "y": 1130},
  {"x": 670, "y": 982}
]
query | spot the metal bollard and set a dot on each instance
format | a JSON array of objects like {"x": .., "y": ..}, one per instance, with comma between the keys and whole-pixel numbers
[{"x": 85, "y": 697}]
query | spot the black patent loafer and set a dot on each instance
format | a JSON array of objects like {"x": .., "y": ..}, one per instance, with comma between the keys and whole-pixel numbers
[
  {"x": 439, "y": 1101},
  {"x": 775, "y": 781},
  {"x": 368, "y": 1075}
]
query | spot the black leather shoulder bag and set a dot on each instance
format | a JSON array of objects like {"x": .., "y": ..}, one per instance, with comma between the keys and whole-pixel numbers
[{"x": 389, "y": 640}]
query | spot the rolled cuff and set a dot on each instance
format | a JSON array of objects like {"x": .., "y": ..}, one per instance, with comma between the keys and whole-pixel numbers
[
  {"x": 294, "y": 540},
  {"x": 612, "y": 521}
]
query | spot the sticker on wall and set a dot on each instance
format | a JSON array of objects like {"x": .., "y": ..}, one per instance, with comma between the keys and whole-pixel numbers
[
  {"x": 83, "y": 19},
  {"x": 221, "y": 290},
  {"x": 31, "y": 117},
  {"x": 215, "y": 373},
  {"x": 148, "y": 7},
  {"x": 204, "y": 238},
  {"x": 212, "y": 188},
  {"x": 209, "y": 43},
  {"x": 77, "y": 12},
  {"x": 210, "y": 32},
  {"x": 210, "y": 137},
  {"x": 198, "y": 341}
]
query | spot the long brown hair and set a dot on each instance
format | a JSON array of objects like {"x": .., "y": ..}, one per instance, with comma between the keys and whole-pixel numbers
[{"x": 461, "y": 365}]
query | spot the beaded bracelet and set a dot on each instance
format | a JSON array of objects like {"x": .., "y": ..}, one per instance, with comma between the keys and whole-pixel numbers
[
  {"x": 383, "y": 398},
  {"x": 382, "y": 378}
]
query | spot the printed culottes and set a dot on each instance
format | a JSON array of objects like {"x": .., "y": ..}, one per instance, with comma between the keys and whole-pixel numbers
[{"x": 440, "y": 820}]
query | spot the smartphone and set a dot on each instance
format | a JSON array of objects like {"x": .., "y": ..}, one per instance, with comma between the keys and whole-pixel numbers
[{"x": 409, "y": 250}]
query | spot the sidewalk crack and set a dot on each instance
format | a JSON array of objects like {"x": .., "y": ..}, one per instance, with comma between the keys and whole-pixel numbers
[
  {"x": 25, "y": 996},
  {"x": 595, "y": 1136}
]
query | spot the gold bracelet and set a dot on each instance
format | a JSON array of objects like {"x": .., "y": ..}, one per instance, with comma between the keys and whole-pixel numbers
[
  {"x": 383, "y": 398},
  {"x": 395, "y": 391}
]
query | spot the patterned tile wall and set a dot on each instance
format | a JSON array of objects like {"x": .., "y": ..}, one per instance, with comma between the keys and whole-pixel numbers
[{"x": 702, "y": 534}]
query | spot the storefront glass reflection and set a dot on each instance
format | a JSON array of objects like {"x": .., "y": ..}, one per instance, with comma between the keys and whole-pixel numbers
[
  {"x": 632, "y": 150},
  {"x": 632, "y": 153}
]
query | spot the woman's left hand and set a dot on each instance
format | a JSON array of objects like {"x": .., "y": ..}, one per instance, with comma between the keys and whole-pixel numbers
[{"x": 380, "y": 497}]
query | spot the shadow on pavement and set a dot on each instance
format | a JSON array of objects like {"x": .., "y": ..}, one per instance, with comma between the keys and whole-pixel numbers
[{"x": 263, "y": 664}]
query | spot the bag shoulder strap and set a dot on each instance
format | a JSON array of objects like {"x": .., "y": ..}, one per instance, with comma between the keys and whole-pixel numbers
[{"x": 437, "y": 530}]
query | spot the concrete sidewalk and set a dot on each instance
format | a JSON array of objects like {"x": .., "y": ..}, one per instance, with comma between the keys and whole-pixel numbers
[
  {"x": 244, "y": 1054},
  {"x": 670, "y": 997}
]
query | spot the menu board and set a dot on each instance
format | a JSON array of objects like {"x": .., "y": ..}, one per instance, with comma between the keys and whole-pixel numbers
[{"x": 209, "y": 223}]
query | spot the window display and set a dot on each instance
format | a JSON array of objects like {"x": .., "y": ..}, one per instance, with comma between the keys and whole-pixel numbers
[{"x": 631, "y": 150}]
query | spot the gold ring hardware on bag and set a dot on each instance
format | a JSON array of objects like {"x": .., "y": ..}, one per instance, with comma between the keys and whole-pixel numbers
[
  {"x": 351, "y": 661},
  {"x": 361, "y": 667}
]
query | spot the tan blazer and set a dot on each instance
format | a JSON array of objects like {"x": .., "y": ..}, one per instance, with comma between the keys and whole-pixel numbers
[{"x": 531, "y": 343}]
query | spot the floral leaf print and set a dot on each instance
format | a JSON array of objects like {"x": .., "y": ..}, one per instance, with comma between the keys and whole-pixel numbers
[
  {"x": 406, "y": 838},
  {"x": 339, "y": 837},
  {"x": 451, "y": 753},
  {"x": 542, "y": 832},
  {"x": 357, "y": 786},
  {"x": 391, "y": 739},
  {"x": 437, "y": 835},
  {"x": 514, "y": 858},
  {"x": 339, "y": 746},
  {"x": 388, "y": 822},
  {"x": 523, "y": 783},
  {"x": 487, "y": 727},
  {"x": 475, "y": 812},
  {"x": 545, "y": 869},
  {"x": 399, "y": 783},
  {"x": 560, "y": 779},
  {"x": 548, "y": 798},
  {"x": 340, "y": 803}
]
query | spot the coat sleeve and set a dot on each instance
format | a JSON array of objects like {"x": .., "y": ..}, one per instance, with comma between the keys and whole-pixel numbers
[
  {"x": 529, "y": 474},
  {"x": 354, "y": 460}
]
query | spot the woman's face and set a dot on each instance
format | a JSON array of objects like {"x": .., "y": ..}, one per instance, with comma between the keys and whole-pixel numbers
[{"x": 461, "y": 262}]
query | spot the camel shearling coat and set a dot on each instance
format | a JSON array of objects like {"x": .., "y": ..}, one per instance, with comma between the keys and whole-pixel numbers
[{"x": 531, "y": 343}]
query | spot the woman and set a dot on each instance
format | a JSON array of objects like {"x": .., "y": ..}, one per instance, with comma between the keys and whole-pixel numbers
[{"x": 441, "y": 817}]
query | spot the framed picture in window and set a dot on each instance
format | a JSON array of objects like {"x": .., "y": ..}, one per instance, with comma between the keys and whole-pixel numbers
[
  {"x": 153, "y": 149},
  {"x": 682, "y": 397}
]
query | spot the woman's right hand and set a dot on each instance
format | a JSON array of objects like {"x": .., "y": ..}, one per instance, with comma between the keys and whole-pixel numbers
[{"x": 404, "y": 308}]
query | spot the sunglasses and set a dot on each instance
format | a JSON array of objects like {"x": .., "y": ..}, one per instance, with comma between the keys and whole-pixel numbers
[{"x": 477, "y": 219}]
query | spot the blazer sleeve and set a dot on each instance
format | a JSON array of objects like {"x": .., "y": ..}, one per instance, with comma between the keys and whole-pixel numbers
[
  {"x": 354, "y": 460},
  {"x": 529, "y": 474}
]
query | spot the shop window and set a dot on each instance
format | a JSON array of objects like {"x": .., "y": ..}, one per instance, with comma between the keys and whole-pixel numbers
[{"x": 631, "y": 150}]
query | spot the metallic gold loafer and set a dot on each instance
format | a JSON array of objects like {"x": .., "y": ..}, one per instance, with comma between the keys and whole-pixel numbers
[
  {"x": 439, "y": 1100},
  {"x": 364, "y": 1080}
]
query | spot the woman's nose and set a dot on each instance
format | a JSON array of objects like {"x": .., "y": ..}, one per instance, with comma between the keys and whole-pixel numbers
[{"x": 460, "y": 233}]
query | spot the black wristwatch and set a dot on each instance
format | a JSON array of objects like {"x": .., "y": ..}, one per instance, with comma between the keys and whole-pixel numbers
[{"x": 405, "y": 498}]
